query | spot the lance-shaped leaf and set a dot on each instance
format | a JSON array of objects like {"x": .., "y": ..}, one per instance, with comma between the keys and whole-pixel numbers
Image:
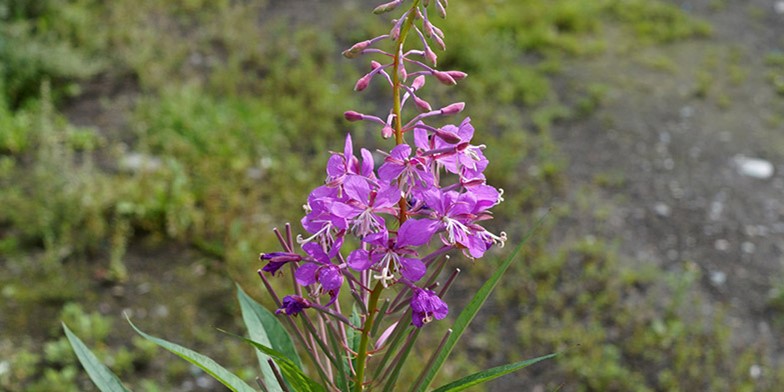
[
  {"x": 218, "y": 372},
  {"x": 264, "y": 327},
  {"x": 468, "y": 314},
  {"x": 299, "y": 381},
  {"x": 489, "y": 374},
  {"x": 102, "y": 377}
]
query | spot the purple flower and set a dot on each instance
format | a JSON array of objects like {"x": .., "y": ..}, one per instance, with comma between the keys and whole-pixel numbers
[
  {"x": 278, "y": 260},
  {"x": 426, "y": 306},
  {"x": 293, "y": 305},
  {"x": 365, "y": 203},
  {"x": 339, "y": 166},
  {"x": 411, "y": 173},
  {"x": 320, "y": 270},
  {"x": 391, "y": 257}
]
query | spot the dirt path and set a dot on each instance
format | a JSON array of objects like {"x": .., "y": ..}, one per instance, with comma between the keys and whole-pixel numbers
[{"x": 678, "y": 121}]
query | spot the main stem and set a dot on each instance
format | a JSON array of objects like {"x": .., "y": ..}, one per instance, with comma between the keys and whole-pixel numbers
[
  {"x": 396, "y": 110},
  {"x": 396, "y": 107}
]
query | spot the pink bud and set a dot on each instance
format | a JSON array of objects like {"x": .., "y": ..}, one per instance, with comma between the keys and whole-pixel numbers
[
  {"x": 355, "y": 50},
  {"x": 353, "y": 116},
  {"x": 441, "y": 9},
  {"x": 418, "y": 82},
  {"x": 403, "y": 72},
  {"x": 387, "y": 132},
  {"x": 431, "y": 56},
  {"x": 363, "y": 82},
  {"x": 444, "y": 78},
  {"x": 422, "y": 105},
  {"x": 440, "y": 42},
  {"x": 374, "y": 64},
  {"x": 449, "y": 137},
  {"x": 454, "y": 108},
  {"x": 457, "y": 75},
  {"x": 395, "y": 32},
  {"x": 386, "y": 7}
]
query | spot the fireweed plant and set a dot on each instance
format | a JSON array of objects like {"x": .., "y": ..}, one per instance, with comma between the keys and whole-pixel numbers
[{"x": 425, "y": 201}]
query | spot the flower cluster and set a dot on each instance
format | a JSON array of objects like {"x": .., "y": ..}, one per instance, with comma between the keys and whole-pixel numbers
[{"x": 424, "y": 200}]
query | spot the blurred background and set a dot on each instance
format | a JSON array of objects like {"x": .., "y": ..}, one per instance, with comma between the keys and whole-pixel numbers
[{"x": 147, "y": 148}]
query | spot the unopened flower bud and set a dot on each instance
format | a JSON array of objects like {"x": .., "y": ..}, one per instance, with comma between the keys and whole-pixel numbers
[
  {"x": 457, "y": 75},
  {"x": 447, "y": 136},
  {"x": 387, "y": 132},
  {"x": 386, "y": 7},
  {"x": 453, "y": 108},
  {"x": 431, "y": 56},
  {"x": 374, "y": 64},
  {"x": 418, "y": 82},
  {"x": 422, "y": 105},
  {"x": 363, "y": 82},
  {"x": 353, "y": 116},
  {"x": 441, "y": 9},
  {"x": 444, "y": 78},
  {"x": 355, "y": 50}
]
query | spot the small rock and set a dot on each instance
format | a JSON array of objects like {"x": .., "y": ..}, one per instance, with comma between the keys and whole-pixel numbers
[
  {"x": 687, "y": 111},
  {"x": 748, "y": 247},
  {"x": 662, "y": 209},
  {"x": 718, "y": 277},
  {"x": 721, "y": 245},
  {"x": 754, "y": 167},
  {"x": 779, "y": 7},
  {"x": 755, "y": 371},
  {"x": 137, "y": 162}
]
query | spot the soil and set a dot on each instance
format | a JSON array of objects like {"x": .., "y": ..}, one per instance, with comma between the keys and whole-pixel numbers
[{"x": 683, "y": 199}]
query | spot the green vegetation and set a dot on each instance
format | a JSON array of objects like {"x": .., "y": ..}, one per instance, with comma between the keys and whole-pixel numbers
[{"x": 234, "y": 106}]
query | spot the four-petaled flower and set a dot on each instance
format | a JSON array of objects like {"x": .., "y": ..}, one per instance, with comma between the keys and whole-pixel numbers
[{"x": 426, "y": 306}]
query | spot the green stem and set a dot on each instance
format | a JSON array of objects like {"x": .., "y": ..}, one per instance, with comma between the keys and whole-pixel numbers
[
  {"x": 363, "y": 343},
  {"x": 396, "y": 108}
]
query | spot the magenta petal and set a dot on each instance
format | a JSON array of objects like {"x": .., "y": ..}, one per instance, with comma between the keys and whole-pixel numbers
[
  {"x": 413, "y": 269},
  {"x": 336, "y": 166},
  {"x": 401, "y": 152},
  {"x": 357, "y": 188},
  {"x": 330, "y": 277},
  {"x": 344, "y": 210},
  {"x": 416, "y": 232},
  {"x": 306, "y": 274},
  {"x": 348, "y": 149},
  {"x": 359, "y": 260},
  {"x": 367, "y": 163},
  {"x": 420, "y": 139},
  {"x": 387, "y": 197},
  {"x": 389, "y": 171}
]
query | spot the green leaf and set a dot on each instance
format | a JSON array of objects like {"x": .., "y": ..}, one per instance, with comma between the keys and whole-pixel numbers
[
  {"x": 468, "y": 314},
  {"x": 206, "y": 363},
  {"x": 103, "y": 378},
  {"x": 489, "y": 374},
  {"x": 298, "y": 380},
  {"x": 264, "y": 327}
]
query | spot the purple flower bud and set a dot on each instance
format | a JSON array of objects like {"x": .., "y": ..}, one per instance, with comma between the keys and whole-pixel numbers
[
  {"x": 293, "y": 305},
  {"x": 386, "y": 7},
  {"x": 355, "y": 50},
  {"x": 418, "y": 82},
  {"x": 277, "y": 260},
  {"x": 387, "y": 132},
  {"x": 431, "y": 56},
  {"x": 374, "y": 64},
  {"x": 426, "y": 306},
  {"x": 422, "y": 105},
  {"x": 353, "y": 116},
  {"x": 363, "y": 82},
  {"x": 457, "y": 75},
  {"x": 444, "y": 78},
  {"x": 448, "y": 136},
  {"x": 453, "y": 108}
]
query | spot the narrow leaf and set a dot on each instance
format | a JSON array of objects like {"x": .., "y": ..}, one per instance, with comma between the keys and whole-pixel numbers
[
  {"x": 261, "y": 324},
  {"x": 470, "y": 311},
  {"x": 206, "y": 363},
  {"x": 298, "y": 380},
  {"x": 102, "y": 377},
  {"x": 489, "y": 374}
]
